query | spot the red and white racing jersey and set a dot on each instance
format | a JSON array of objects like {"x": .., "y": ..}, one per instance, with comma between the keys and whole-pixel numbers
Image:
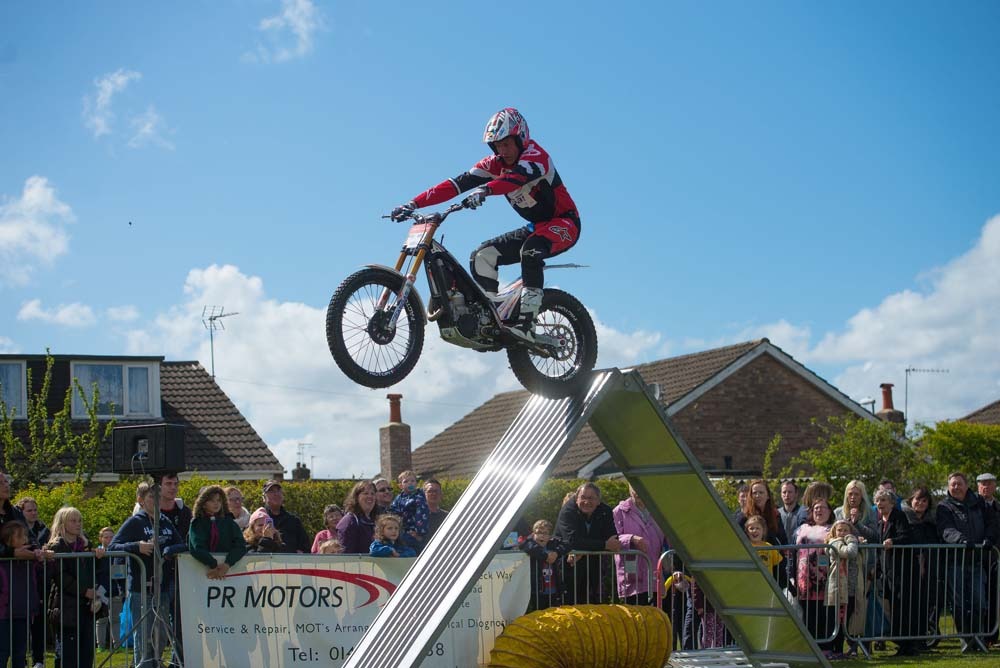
[{"x": 532, "y": 186}]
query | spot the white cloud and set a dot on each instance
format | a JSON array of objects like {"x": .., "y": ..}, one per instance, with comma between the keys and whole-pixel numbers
[
  {"x": 122, "y": 313},
  {"x": 31, "y": 230},
  {"x": 65, "y": 315},
  {"x": 7, "y": 346},
  {"x": 97, "y": 112},
  {"x": 288, "y": 34},
  {"x": 149, "y": 128},
  {"x": 952, "y": 324},
  {"x": 272, "y": 360}
]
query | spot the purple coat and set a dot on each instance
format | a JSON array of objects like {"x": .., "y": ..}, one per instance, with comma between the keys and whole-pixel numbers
[{"x": 633, "y": 572}]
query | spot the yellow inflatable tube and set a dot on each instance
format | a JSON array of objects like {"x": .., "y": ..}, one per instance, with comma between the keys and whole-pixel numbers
[{"x": 586, "y": 636}]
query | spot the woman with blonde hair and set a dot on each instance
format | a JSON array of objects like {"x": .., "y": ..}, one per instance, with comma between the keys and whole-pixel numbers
[{"x": 857, "y": 511}]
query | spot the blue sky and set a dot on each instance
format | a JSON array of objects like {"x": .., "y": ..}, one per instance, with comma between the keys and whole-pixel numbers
[{"x": 822, "y": 174}]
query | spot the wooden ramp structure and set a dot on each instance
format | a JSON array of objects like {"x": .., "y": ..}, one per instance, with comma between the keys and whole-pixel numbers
[{"x": 637, "y": 433}]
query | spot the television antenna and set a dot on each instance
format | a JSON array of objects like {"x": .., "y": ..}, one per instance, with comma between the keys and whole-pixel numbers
[
  {"x": 211, "y": 317},
  {"x": 906, "y": 388}
]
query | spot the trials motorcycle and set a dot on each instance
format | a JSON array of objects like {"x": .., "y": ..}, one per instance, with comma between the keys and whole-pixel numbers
[{"x": 375, "y": 320}]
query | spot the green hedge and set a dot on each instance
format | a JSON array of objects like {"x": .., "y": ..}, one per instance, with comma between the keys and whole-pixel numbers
[{"x": 110, "y": 505}]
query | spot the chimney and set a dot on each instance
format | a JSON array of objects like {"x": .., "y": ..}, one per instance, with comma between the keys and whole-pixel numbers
[
  {"x": 888, "y": 413},
  {"x": 394, "y": 441}
]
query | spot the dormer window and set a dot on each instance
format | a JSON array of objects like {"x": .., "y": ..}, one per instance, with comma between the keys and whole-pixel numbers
[
  {"x": 13, "y": 392},
  {"x": 127, "y": 390}
]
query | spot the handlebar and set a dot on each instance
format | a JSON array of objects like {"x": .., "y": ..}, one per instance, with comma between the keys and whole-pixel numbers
[{"x": 436, "y": 217}]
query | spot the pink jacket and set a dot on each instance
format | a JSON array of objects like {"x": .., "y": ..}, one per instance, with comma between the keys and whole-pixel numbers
[{"x": 633, "y": 572}]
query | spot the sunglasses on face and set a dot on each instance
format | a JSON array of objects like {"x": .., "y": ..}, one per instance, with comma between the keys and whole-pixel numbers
[{"x": 383, "y": 489}]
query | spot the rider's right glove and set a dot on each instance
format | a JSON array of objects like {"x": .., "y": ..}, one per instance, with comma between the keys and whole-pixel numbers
[
  {"x": 477, "y": 197},
  {"x": 403, "y": 211}
]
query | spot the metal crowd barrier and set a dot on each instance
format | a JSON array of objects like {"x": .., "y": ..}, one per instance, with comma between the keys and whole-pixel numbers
[
  {"x": 911, "y": 595},
  {"x": 592, "y": 578},
  {"x": 41, "y": 608}
]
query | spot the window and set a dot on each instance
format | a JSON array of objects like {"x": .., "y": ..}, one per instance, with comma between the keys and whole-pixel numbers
[
  {"x": 12, "y": 388},
  {"x": 126, "y": 390}
]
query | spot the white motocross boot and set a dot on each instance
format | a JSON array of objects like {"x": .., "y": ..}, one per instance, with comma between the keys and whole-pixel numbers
[{"x": 531, "y": 302}]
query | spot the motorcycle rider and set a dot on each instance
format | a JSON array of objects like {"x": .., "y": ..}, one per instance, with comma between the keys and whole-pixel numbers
[{"x": 522, "y": 171}]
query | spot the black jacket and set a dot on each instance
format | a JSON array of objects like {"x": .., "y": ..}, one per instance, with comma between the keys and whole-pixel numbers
[
  {"x": 581, "y": 533},
  {"x": 9, "y": 513},
  {"x": 965, "y": 521},
  {"x": 293, "y": 534}
]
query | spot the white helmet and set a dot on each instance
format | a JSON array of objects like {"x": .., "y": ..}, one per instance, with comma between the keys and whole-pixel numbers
[{"x": 506, "y": 123}]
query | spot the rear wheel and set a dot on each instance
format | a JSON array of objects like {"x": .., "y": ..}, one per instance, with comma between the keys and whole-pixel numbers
[
  {"x": 564, "y": 319},
  {"x": 358, "y": 332}
]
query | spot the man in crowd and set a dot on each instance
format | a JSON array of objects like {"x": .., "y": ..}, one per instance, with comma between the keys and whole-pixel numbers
[
  {"x": 987, "y": 487},
  {"x": 432, "y": 491},
  {"x": 789, "y": 510},
  {"x": 587, "y": 524},
  {"x": 963, "y": 519},
  {"x": 173, "y": 507},
  {"x": 383, "y": 495},
  {"x": 293, "y": 533}
]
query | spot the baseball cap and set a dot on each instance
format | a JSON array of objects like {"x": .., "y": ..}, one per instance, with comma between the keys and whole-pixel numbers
[
  {"x": 985, "y": 477},
  {"x": 271, "y": 484}
]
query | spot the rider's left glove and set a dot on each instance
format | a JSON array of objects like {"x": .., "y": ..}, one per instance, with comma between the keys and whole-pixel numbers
[
  {"x": 477, "y": 197},
  {"x": 403, "y": 211}
]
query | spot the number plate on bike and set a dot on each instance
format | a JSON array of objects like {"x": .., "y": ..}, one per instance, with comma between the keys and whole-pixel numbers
[{"x": 416, "y": 235}]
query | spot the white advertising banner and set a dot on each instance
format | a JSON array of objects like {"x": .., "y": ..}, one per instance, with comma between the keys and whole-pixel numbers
[{"x": 283, "y": 610}]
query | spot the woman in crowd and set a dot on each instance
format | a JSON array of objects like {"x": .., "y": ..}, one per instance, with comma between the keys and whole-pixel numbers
[
  {"x": 260, "y": 534},
  {"x": 894, "y": 582},
  {"x": 760, "y": 502},
  {"x": 857, "y": 511},
  {"x": 812, "y": 572},
  {"x": 74, "y": 593},
  {"x": 637, "y": 530},
  {"x": 212, "y": 531},
  {"x": 38, "y": 535},
  {"x": 383, "y": 495},
  {"x": 234, "y": 503},
  {"x": 357, "y": 526},
  {"x": 332, "y": 515},
  {"x": 928, "y": 575}
]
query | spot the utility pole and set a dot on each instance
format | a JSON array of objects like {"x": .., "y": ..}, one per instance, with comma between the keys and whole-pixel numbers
[
  {"x": 906, "y": 389},
  {"x": 211, "y": 317}
]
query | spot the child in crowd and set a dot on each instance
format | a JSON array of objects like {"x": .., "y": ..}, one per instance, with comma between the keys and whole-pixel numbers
[
  {"x": 845, "y": 578},
  {"x": 212, "y": 531},
  {"x": 260, "y": 534},
  {"x": 113, "y": 579},
  {"x": 678, "y": 586},
  {"x": 544, "y": 551},
  {"x": 18, "y": 600},
  {"x": 73, "y": 592},
  {"x": 756, "y": 530},
  {"x": 387, "y": 541},
  {"x": 331, "y": 546},
  {"x": 411, "y": 506}
]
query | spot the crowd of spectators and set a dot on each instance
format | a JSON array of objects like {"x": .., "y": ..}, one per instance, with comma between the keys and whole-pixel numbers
[{"x": 811, "y": 542}]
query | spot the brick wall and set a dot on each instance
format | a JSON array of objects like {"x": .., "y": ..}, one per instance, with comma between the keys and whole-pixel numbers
[{"x": 740, "y": 416}]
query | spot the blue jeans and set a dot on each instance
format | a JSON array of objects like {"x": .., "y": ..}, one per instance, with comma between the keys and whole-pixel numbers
[
  {"x": 968, "y": 596},
  {"x": 151, "y": 637}
]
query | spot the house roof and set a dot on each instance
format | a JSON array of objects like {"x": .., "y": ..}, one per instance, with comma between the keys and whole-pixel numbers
[
  {"x": 458, "y": 451},
  {"x": 218, "y": 437},
  {"x": 989, "y": 414}
]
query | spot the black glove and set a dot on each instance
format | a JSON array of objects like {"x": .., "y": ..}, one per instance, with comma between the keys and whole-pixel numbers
[
  {"x": 403, "y": 211},
  {"x": 477, "y": 197}
]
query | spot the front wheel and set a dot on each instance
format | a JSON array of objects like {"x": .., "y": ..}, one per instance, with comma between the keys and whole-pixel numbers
[
  {"x": 564, "y": 319},
  {"x": 364, "y": 344}
]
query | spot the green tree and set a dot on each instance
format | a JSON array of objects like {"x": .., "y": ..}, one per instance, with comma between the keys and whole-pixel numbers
[
  {"x": 31, "y": 459},
  {"x": 958, "y": 446},
  {"x": 853, "y": 448}
]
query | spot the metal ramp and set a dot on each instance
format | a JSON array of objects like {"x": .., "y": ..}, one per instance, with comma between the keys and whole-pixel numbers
[{"x": 636, "y": 432}]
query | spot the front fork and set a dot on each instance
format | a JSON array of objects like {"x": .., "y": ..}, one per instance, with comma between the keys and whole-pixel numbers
[{"x": 404, "y": 294}]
